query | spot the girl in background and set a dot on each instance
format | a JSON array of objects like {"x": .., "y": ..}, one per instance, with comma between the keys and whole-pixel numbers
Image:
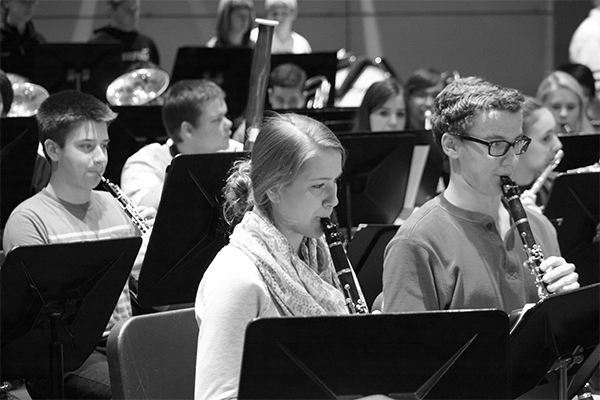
[
  {"x": 235, "y": 19},
  {"x": 383, "y": 108},
  {"x": 564, "y": 96}
]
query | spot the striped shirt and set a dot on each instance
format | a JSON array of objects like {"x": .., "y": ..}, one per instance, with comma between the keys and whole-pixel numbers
[{"x": 46, "y": 219}]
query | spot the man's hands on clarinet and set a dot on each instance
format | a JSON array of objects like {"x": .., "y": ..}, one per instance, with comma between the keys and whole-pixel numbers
[{"x": 559, "y": 275}]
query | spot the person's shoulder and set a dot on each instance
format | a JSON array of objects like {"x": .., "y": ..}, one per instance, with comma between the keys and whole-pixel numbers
[
  {"x": 152, "y": 150},
  {"x": 34, "y": 203},
  {"x": 211, "y": 42},
  {"x": 234, "y": 146},
  {"x": 254, "y": 34}
]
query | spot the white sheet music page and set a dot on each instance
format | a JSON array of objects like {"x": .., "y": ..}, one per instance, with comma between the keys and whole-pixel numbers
[{"x": 417, "y": 166}]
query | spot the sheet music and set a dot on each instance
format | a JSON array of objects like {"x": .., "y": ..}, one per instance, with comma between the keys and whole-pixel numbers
[{"x": 417, "y": 166}]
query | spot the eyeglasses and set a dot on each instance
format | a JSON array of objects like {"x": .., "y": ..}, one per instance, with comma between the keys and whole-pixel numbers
[{"x": 498, "y": 148}]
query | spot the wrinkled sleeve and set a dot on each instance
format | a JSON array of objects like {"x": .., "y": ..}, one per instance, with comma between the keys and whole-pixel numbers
[
  {"x": 409, "y": 283},
  {"x": 142, "y": 181},
  {"x": 230, "y": 296}
]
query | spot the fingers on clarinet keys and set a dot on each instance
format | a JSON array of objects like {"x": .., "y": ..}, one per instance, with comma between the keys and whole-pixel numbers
[{"x": 558, "y": 275}]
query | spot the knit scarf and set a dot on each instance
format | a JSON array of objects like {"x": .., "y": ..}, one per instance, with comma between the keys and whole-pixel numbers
[{"x": 302, "y": 286}]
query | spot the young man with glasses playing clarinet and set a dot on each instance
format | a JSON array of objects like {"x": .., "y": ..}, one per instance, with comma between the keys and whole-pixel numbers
[{"x": 462, "y": 250}]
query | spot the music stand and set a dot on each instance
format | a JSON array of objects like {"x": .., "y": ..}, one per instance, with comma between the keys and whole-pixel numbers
[
  {"x": 580, "y": 151},
  {"x": 135, "y": 127},
  {"x": 228, "y": 67},
  {"x": 188, "y": 231},
  {"x": 339, "y": 120},
  {"x": 434, "y": 355},
  {"x": 59, "y": 297},
  {"x": 314, "y": 64},
  {"x": 87, "y": 67},
  {"x": 562, "y": 330},
  {"x": 365, "y": 252},
  {"x": 375, "y": 177},
  {"x": 573, "y": 208},
  {"x": 19, "y": 144}
]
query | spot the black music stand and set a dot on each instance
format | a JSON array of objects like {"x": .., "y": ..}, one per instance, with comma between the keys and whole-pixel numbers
[
  {"x": 365, "y": 252},
  {"x": 431, "y": 355},
  {"x": 314, "y": 64},
  {"x": 135, "y": 127},
  {"x": 56, "y": 302},
  {"x": 561, "y": 331},
  {"x": 19, "y": 144},
  {"x": 339, "y": 120},
  {"x": 573, "y": 208},
  {"x": 188, "y": 231},
  {"x": 228, "y": 67},
  {"x": 87, "y": 67},
  {"x": 375, "y": 177},
  {"x": 580, "y": 151}
]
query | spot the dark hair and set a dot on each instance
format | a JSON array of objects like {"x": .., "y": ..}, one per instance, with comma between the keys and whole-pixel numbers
[
  {"x": 7, "y": 93},
  {"x": 287, "y": 75},
  {"x": 284, "y": 144},
  {"x": 462, "y": 100},
  {"x": 422, "y": 78},
  {"x": 61, "y": 112},
  {"x": 224, "y": 21},
  {"x": 185, "y": 101},
  {"x": 584, "y": 76},
  {"x": 376, "y": 96}
]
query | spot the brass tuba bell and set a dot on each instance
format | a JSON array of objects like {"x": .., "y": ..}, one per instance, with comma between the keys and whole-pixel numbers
[
  {"x": 27, "y": 99},
  {"x": 138, "y": 87}
]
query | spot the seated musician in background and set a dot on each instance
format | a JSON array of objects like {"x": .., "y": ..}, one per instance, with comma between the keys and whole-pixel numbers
[
  {"x": 585, "y": 77},
  {"x": 383, "y": 108},
  {"x": 193, "y": 114},
  {"x": 422, "y": 86},
  {"x": 540, "y": 126},
  {"x": 137, "y": 47},
  {"x": 286, "y": 87},
  {"x": 73, "y": 130},
  {"x": 285, "y": 40},
  {"x": 18, "y": 36},
  {"x": 564, "y": 96},
  {"x": 235, "y": 19},
  {"x": 461, "y": 250},
  {"x": 277, "y": 262}
]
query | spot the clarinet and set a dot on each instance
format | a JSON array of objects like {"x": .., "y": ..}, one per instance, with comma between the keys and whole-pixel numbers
[
  {"x": 510, "y": 190},
  {"x": 355, "y": 300},
  {"x": 127, "y": 205}
]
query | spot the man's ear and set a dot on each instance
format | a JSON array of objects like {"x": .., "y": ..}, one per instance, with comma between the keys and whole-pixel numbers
[
  {"x": 186, "y": 130},
  {"x": 273, "y": 194},
  {"x": 450, "y": 144},
  {"x": 52, "y": 149}
]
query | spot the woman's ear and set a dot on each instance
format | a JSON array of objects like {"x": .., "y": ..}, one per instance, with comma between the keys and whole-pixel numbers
[
  {"x": 52, "y": 149},
  {"x": 450, "y": 144},
  {"x": 273, "y": 194}
]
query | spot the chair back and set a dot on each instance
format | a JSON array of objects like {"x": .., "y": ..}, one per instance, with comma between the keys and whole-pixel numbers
[{"x": 153, "y": 356}]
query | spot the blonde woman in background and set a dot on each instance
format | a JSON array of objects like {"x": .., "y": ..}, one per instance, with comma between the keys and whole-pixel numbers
[{"x": 564, "y": 96}]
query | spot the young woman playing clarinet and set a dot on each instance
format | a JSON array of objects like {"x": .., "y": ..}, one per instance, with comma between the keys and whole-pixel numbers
[{"x": 277, "y": 262}]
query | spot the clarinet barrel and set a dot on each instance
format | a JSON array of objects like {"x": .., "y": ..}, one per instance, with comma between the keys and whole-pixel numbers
[
  {"x": 510, "y": 190},
  {"x": 355, "y": 300}
]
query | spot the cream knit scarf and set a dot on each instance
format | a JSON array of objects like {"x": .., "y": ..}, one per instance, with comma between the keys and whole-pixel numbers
[{"x": 302, "y": 286}]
